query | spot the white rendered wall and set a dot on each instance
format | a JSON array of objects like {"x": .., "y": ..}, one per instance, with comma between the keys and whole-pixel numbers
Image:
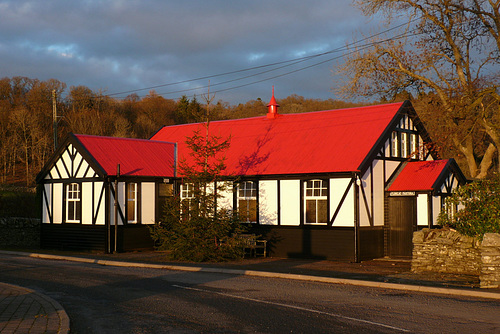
[
  {"x": 378, "y": 193},
  {"x": 83, "y": 167},
  {"x": 390, "y": 167},
  {"x": 121, "y": 204},
  {"x": 58, "y": 203},
  {"x": 290, "y": 202},
  {"x": 225, "y": 196},
  {"x": 148, "y": 191},
  {"x": 345, "y": 217},
  {"x": 268, "y": 202},
  {"x": 47, "y": 199},
  {"x": 422, "y": 210},
  {"x": 365, "y": 201},
  {"x": 98, "y": 187},
  {"x": 60, "y": 166},
  {"x": 436, "y": 208},
  {"x": 86, "y": 198}
]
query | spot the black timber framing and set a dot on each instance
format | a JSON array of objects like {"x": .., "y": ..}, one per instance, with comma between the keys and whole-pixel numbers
[
  {"x": 73, "y": 237},
  {"x": 321, "y": 242},
  {"x": 93, "y": 237}
]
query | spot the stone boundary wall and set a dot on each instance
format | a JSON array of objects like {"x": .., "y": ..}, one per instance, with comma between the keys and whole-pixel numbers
[
  {"x": 20, "y": 232},
  {"x": 447, "y": 251}
]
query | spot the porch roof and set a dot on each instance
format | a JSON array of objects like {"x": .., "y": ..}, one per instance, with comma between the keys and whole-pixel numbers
[{"x": 420, "y": 176}]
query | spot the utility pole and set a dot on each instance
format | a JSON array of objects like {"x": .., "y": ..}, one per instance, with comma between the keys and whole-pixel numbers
[
  {"x": 116, "y": 206},
  {"x": 54, "y": 117}
]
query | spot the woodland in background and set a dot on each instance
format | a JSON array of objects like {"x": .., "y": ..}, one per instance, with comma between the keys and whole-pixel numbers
[
  {"x": 26, "y": 118},
  {"x": 26, "y": 122}
]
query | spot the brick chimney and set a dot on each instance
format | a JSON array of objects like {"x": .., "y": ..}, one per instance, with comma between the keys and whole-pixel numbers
[{"x": 272, "y": 108}]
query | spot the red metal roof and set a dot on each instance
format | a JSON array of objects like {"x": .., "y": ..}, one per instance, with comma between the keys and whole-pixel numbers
[
  {"x": 419, "y": 176},
  {"x": 137, "y": 157},
  {"x": 315, "y": 142}
]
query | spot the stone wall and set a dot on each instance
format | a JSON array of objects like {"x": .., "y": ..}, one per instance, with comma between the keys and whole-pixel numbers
[
  {"x": 447, "y": 251},
  {"x": 20, "y": 232},
  {"x": 490, "y": 256}
]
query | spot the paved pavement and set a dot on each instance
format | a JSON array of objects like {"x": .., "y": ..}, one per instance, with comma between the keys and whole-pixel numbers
[{"x": 26, "y": 311}]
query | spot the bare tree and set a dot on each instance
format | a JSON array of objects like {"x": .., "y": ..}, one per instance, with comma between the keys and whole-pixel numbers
[{"x": 448, "y": 50}]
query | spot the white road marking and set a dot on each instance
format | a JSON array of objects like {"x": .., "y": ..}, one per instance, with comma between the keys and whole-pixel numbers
[{"x": 293, "y": 307}]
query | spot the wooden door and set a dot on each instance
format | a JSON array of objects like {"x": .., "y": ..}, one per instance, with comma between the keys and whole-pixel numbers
[{"x": 402, "y": 223}]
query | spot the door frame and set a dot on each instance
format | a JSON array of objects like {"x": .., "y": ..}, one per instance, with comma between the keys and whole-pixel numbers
[{"x": 401, "y": 223}]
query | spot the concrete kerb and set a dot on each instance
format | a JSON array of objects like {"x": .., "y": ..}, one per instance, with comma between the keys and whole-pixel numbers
[
  {"x": 64, "y": 322},
  {"x": 330, "y": 280}
]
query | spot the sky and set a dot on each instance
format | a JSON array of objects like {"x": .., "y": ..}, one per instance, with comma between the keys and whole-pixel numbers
[{"x": 241, "y": 48}]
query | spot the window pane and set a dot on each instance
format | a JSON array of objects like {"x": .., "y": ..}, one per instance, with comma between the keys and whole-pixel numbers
[
  {"x": 247, "y": 209},
  {"x": 310, "y": 211},
  {"x": 71, "y": 210},
  {"x": 322, "y": 211},
  {"x": 131, "y": 211}
]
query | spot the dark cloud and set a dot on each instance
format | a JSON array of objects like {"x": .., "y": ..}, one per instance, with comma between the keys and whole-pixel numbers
[{"x": 124, "y": 45}]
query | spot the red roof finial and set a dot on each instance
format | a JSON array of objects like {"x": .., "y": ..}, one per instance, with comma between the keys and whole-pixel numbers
[{"x": 272, "y": 108}]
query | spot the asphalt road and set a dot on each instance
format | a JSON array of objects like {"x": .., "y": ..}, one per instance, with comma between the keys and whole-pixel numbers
[{"x": 102, "y": 299}]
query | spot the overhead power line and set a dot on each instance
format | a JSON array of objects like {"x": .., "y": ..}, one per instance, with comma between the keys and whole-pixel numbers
[{"x": 272, "y": 67}]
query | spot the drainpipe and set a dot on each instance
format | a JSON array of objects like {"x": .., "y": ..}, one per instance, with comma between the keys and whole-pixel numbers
[{"x": 357, "y": 183}]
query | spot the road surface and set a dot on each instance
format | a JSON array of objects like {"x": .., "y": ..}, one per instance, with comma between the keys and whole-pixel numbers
[{"x": 104, "y": 299}]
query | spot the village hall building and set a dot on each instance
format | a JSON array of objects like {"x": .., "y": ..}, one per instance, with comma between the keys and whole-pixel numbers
[{"x": 349, "y": 184}]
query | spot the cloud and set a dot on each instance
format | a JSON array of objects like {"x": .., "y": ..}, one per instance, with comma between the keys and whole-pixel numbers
[{"x": 125, "y": 45}]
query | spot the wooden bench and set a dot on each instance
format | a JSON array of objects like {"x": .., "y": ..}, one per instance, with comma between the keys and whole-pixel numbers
[{"x": 254, "y": 247}]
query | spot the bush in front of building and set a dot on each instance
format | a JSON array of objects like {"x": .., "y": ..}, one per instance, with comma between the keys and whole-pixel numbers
[
  {"x": 474, "y": 209},
  {"x": 194, "y": 227},
  {"x": 190, "y": 235}
]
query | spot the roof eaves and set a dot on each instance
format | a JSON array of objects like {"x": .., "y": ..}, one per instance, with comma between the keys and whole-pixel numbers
[
  {"x": 87, "y": 156},
  {"x": 52, "y": 160}
]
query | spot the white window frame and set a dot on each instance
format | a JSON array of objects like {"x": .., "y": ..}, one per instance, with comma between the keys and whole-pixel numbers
[
  {"x": 316, "y": 190},
  {"x": 134, "y": 199},
  {"x": 247, "y": 192},
  {"x": 187, "y": 194},
  {"x": 73, "y": 199}
]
